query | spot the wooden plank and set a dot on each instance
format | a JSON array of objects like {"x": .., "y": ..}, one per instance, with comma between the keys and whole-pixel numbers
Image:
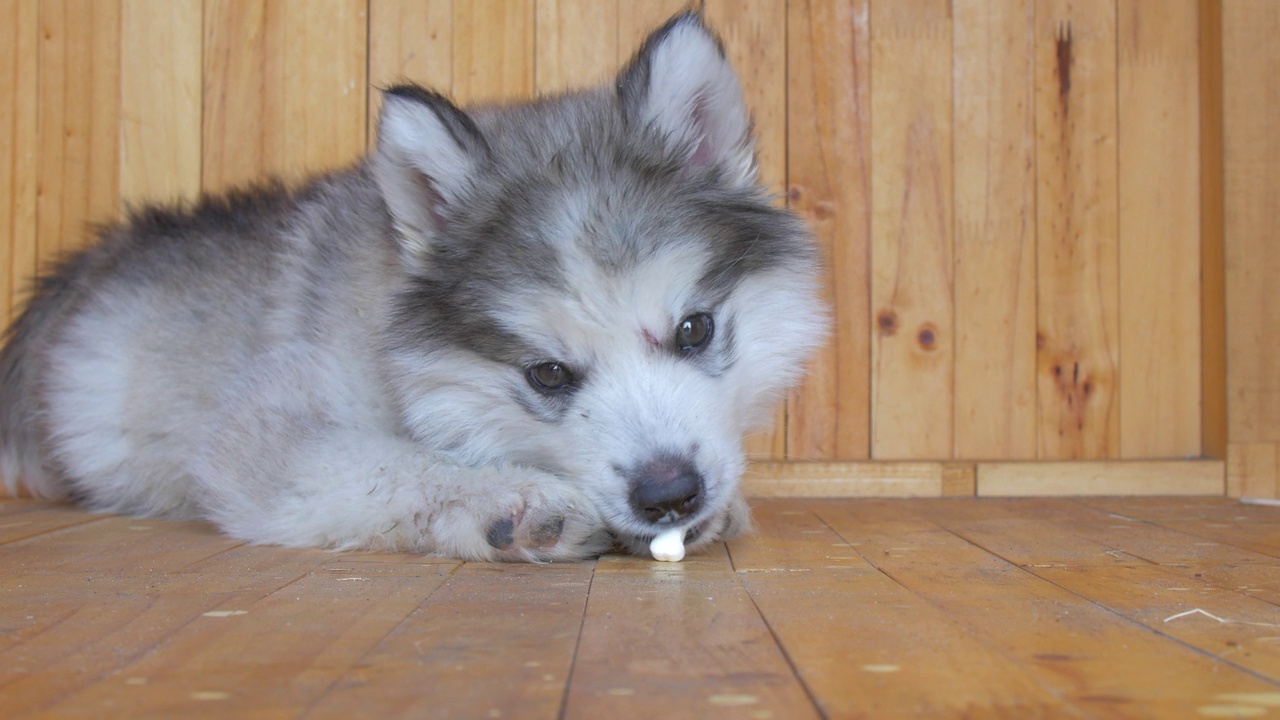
[
  {"x": 500, "y": 637},
  {"x": 638, "y": 18},
  {"x": 672, "y": 640},
  {"x": 237, "y": 117},
  {"x": 828, "y": 158},
  {"x": 995, "y": 230},
  {"x": 216, "y": 663},
  {"x": 160, "y": 84},
  {"x": 30, "y": 518},
  {"x": 912, "y": 282},
  {"x": 1076, "y": 228},
  {"x": 1252, "y": 528},
  {"x": 1213, "y": 292},
  {"x": 1155, "y": 596},
  {"x": 408, "y": 40},
  {"x": 1251, "y": 103},
  {"x": 124, "y": 545},
  {"x": 1253, "y": 470},
  {"x": 284, "y": 88},
  {"x": 493, "y": 50},
  {"x": 848, "y": 479},
  {"x": 1128, "y": 540},
  {"x": 755, "y": 41},
  {"x": 79, "y": 123},
  {"x": 1151, "y": 477},
  {"x": 134, "y": 640},
  {"x": 577, "y": 44},
  {"x": 1093, "y": 659},
  {"x": 864, "y": 645},
  {"x": 19, "y": 33},
  {"x": 67, "y": 630},
  {"x": 1160, "y": 245}
]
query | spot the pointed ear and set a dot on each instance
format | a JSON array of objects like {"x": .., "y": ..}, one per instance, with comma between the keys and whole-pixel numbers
[
  {"x": 428, "y": 155},
  {"x": 681, "y": 86}
]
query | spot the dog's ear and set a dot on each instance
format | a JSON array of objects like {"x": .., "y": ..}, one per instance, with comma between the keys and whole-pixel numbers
[
  {"x": 681, "y": 86},
  {"x": 429, "y": 152}
]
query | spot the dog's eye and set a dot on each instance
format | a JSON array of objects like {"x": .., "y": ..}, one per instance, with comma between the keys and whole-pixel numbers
[
  {"x": 549, "y": 377},
  {"x": 694, "y": 331}
]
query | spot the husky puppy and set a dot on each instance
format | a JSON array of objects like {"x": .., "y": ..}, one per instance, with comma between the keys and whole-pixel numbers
[{"x": 520, "y": 332}]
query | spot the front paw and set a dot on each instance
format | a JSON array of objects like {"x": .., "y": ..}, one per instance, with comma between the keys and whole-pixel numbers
[{"x": 537, "y": 518}]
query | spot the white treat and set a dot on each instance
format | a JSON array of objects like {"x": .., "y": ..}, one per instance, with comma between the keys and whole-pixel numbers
[{"x": 669, "y": 546}]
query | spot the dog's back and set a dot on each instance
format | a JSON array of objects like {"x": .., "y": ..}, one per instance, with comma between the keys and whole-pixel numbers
[{"x": 117, "y": 317}]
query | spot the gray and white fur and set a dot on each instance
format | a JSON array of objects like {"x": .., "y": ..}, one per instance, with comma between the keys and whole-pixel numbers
[{"x": 518, "y": 332}]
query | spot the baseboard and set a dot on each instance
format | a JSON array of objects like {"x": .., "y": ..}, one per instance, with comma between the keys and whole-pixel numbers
[{"x": 987, "y": 479}]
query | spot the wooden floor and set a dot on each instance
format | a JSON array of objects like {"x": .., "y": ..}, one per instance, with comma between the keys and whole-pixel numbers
[{"x": 1104, "y": 608}]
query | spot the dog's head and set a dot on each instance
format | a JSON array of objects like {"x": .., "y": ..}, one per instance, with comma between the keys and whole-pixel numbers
[{"x": 597, "y": 284}]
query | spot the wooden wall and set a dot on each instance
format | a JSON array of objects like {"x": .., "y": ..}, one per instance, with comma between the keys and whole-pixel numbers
[{"x": 1021, "y": 201}]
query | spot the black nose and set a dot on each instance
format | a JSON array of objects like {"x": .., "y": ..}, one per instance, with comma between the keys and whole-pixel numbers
[{"x": 666, "y": 488}]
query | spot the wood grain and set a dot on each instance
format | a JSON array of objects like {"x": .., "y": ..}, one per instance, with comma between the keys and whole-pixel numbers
[
  {"x": 1155, "y": 596},
  {"x": 79, "y": 122},
  {"x": 274, "y": 103},
  {"x": 755, "y": 41},
  {"x": 995, "y": 230},
  {"x": 829, "y": 156},
  {"x": 19, "y": 33},
  {"x": 1076, "y": 230},
  {"x": 493, "y": 50},
  {"x": 1213, "y": 292},
  {"x": 952, "y": 608},
  {"x": 577, "y": 44},
  {"x": 500, "y": 638},
  {"x": 409, "y": 40},
  {"x": 160, "y": 60},
  {"x": 1159, "y": 203},
  {"x": 1253, "y": 470},
  {"x": 670, "y": 640},
  {"x": 852, "y": 479},
  {"x": 1068, "y": 642},
  {"x": 1251, "y": 103},
  {"x": 864, "y": 645},
  {"x": 1171, "y": 477},
  {"x": 638, "y": 18},
  {"x": 912, "y": 281}
]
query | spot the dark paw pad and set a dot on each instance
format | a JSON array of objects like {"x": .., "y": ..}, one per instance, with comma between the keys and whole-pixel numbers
[
  {"x": 547, "y": 533},
  {"x": 501, "y": 534}
]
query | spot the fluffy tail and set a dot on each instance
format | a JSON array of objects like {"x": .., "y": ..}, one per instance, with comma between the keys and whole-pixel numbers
[{"x": 21, "y": 462}]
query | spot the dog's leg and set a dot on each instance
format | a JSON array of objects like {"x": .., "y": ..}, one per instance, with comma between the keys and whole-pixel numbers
[{"x": 290, "y": 463}]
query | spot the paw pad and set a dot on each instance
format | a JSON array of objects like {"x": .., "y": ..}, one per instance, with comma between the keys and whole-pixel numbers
[{"x": 501, "y": 534}]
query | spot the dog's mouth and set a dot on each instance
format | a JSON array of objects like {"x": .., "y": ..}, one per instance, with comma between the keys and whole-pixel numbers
[{"x": 695, "y": 535}]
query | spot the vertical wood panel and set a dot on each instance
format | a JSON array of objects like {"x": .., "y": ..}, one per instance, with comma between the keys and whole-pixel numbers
[
  {"x": 408, "y": 40},
  {"x": 160, "y": 92},
  {"x": 1076, "y": 229},
  {"x": 1213, "y": 291},
  {"x": 829, "y": 155},
  {"x": 1251, "y": 97},
  {"x": 577, "y": 44},
  {"x": 995, "y": 229},
  {"x": 235, "y": 146},
  {"x": 638, "y": 18},
  {"x": 493, "y": 50},
  {"x": 19, "y": 32},
  {"x": 755, "y": 41},
  {"x": 284, "y": 88},
  {"x": 1159, "y": 184},
  {"x": 911, "y": 230},
  {"x": 79, "y": 123}
]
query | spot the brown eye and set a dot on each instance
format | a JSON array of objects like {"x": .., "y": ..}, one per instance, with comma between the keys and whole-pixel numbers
[
  {"x": 549, "y": 377},
  {"x": 694, "y": 331}
]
